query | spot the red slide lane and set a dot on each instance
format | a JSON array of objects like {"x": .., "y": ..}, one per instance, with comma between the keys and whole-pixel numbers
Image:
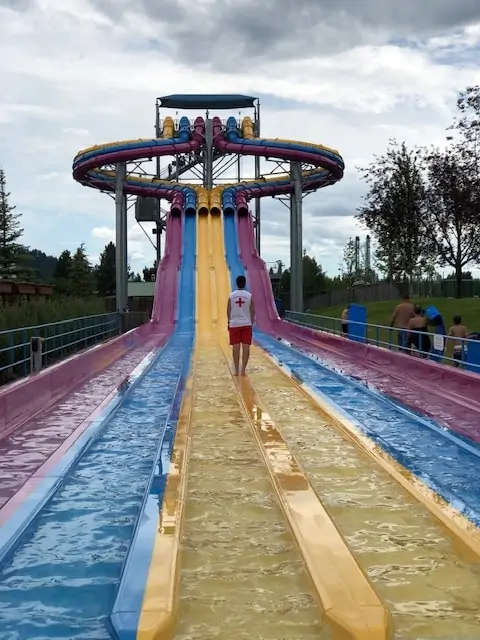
[
  {"x": 166, "y": 285},
  {"x": 450, "y": 397}
]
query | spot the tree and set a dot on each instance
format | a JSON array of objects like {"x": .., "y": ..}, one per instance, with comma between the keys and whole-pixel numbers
[
  {"x": 314, "y": 277},
  {"x": 64, "y": 266},
  {"x": 40, "y": 265},
  {"x": 315, "y": 280},
  {"x": 467, "y": 124},
  {"x": 11, "y": 251},
  {"x": 106, "y": 271},
  {"x": 466, "y": 275},
  {"x": 149, "y": 273},
  {"x": 81, "y": 274},
  {"x": 62, "y": 273},
  {"x": 349, "y": 263},
  {"x": 394, "y": 210},
  {"x": 453, "y": 205}
]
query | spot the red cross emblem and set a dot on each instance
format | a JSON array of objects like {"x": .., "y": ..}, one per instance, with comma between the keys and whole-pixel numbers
[{"x": 240, "y": 301}]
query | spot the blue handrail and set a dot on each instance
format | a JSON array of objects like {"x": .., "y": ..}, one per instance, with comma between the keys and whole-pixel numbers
[
  {"x": 59, "y": 339},
  {"x": 386, "y": 337}
]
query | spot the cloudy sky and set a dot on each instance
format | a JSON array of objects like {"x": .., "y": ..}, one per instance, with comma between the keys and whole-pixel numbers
[{"x": 349, "y": 74}]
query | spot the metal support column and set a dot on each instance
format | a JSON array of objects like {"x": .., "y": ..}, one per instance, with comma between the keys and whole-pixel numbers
[
  {"x": 208, "y": 167},
  {"x": 158, "y": 243},
  {"x": 258, "y": 174},
  {"x": 158, "y": 134},
  {"x": 257, "y": 207},
  {"x": 121, "y": 239},
  {"x": 296, "y": 240}
]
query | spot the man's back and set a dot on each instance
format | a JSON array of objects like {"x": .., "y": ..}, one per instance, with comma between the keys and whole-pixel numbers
[
  {"x": 402, "y": 314},
  {"x": 240, "y": 313}
]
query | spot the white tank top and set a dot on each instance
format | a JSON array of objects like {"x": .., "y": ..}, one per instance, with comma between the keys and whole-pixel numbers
[{"x": 240, "y": 303}]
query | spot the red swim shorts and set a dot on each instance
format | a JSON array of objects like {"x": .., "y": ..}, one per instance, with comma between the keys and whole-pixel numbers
[{"x": 240, "y": 335}]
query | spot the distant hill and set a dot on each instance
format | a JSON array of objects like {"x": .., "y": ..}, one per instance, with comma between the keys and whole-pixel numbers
[{"x": 41, "y": 266}]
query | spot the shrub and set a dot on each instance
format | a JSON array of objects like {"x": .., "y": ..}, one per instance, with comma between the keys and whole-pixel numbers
[
  {"x": 47, "y": 311},
  {"x": 27, "y": 315}
]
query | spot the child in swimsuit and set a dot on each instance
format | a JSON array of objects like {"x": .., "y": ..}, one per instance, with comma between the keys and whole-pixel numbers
[
  {"x": 458, "y": 330},
  {"x": 345, "y": 321}
]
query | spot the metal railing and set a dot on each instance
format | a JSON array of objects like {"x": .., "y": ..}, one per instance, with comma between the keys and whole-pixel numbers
[
  {"x": 455, "y": 350},
  {"x": 59, "y": 339},
  {"x": 172, "y": 173}
]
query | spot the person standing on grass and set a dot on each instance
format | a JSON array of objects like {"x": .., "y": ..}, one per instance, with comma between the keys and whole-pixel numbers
[
  {"x": 459, "y": 331},
  {"x": 402, "y": 314},
  {"x": 240, "y": 316},
  {"x": 345, "y": 321},
  {"x": 418, "y": 335}
]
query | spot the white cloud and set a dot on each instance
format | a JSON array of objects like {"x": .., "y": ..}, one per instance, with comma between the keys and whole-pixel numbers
[
  {"x": 141, "y": 252},
  {"x": 79, "y": 79},
  {"x": 76, "y": 132},
  {"x": 104, "y": 233}
]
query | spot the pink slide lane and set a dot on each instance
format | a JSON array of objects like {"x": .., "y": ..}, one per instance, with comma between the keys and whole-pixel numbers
[
  {"x": 39, "y": 413},
  {"x": 448, "y": 396}
]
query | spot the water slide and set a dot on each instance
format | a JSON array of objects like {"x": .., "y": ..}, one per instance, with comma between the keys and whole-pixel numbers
[
  {"x": 411, "y": 382},
  {"x": 166, "y": 281},
  {"x": 46, "y": 414},
  {"x": 294, "y": 502},
  {"x": 62, "y": 551},
  {"x": 407, "y": 439}
]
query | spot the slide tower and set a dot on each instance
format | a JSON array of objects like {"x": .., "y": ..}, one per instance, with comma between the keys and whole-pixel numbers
[{"x": 207, "y": 164}]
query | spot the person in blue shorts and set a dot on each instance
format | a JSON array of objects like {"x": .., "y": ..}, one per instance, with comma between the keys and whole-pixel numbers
[{"x": 402, "y": 314}]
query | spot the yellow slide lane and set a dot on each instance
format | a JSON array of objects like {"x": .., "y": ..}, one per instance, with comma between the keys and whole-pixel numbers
[
  {"x": 242, "y": 574},
  {"x": 239, "y": 574},
  {"x": 430, "y": 581}
]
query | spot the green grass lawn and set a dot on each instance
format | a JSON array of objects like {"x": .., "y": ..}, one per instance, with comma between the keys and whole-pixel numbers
[{"x": 380, "y": 313}]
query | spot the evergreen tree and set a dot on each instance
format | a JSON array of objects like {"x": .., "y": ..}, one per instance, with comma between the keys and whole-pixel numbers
[
  {"x": 40, "y": 265},
  {"x": 11, "y": 251},
  {"x": 62, "y": 273},
  {"x": 315, "y": 280},
  {"x": 82, "y": 281},
  {"x": 64, "y": 266},
  {"x": 105, "y": 272}
]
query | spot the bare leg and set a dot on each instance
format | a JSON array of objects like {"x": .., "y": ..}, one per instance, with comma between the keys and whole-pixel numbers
[
  {"x": 245, "y": 357},
  {"x": 236, "y": 357}
]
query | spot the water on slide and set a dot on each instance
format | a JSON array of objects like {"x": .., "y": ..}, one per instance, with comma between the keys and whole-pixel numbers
[
  {"x": 430, "y": 583},
  {"x": 233, "y": 578},
  {"x": 61, "y": 581},
  {"x": 242, "y": 575}
]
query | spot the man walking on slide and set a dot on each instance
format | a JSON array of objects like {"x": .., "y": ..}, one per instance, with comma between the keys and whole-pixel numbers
[{"x": 241, "y": 315}]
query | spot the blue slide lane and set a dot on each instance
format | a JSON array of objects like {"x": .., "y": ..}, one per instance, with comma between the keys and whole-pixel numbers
[
  {"x": 447, "y": 465},
  {"x": 127, "y": 607},
  {"x": 61, "y": 580},
  {"x": 231, "y": 249}
]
